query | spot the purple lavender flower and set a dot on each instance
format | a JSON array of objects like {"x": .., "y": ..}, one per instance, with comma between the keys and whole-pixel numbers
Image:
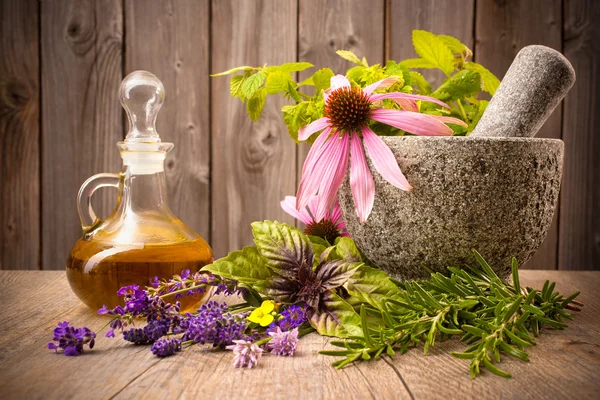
[
  {"x": 283, "y": 343},
  {"x": 71, "y": 339},
  {"x": 214, "y": 324},
  {"x": 166, "y": 347},
  {"x": 292, "y": 317},
  {"x": 152, "y": 332},
  {"x": 246, "y": 353}
]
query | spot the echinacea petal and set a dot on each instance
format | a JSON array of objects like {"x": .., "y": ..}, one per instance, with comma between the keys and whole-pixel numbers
[
  {"x": 317, "y": 157},
  {"x": 408, "y": 105},
  {"x": 451, "y": 120},
  {"x": 417, "y": 123},
  {"x": 361, "y": 180},
  {"x": 289, "y": 206},
  {"x": 331, "y": 175},
  {"x": 306, "y": 131},
  {"x": 339, "y": 81},
  {"x": 336, "y": 212},
  {"x": 398, "y": 95},
  {"x": 382, "y": 84},
  {"x": 384, "y": 160}
]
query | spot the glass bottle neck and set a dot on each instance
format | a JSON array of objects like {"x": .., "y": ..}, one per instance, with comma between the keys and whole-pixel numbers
[{"x": 144, "y": 193}]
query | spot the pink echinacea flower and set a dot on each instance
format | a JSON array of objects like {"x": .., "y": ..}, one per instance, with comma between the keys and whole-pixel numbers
[{"x": 344, "y": 131}]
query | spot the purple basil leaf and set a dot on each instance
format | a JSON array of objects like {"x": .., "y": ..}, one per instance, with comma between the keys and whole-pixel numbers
[
  {"x": 334, "y": 274},
  {"x": 284, "y": 247}
]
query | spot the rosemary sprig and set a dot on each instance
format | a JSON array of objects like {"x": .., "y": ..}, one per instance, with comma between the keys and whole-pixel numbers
[{"x": 492, "y": 316}]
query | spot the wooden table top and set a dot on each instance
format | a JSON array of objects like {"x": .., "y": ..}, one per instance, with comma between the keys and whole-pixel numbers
[{"x": 564, "y": 364}]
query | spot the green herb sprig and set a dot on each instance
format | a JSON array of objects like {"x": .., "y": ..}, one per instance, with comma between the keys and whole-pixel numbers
[
  {"x": 464, "y": 81},
  {"x": 492, "y": 316}
]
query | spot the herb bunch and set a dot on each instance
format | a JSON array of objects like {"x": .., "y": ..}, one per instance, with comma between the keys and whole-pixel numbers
[
  {"x": 492, "y": 316},
  {"x": 464, "y": 81}
]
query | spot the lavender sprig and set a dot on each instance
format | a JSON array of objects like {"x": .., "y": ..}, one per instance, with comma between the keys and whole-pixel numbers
[{"x": 71, "y": 340}]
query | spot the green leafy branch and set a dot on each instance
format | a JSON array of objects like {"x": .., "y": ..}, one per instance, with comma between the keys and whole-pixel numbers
[
  {"x": 492, "y": 316},
  {"x": 465, "y": 80}
]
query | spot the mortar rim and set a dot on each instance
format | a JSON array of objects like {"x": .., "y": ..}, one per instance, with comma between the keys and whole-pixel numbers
[{"x": 480, "y": 139}]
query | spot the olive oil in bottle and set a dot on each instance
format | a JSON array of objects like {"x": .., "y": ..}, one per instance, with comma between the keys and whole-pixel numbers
[{"x": 142, "y": 238}]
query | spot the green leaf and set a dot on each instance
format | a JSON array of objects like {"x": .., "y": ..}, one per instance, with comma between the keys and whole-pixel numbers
[
  {"x": 233, "y": 70},
  {"x": 290, "y": 67},
  {"x": 420, "y": 81},
  {"x": 277, "y": 82},
  {"x": 394, "y": 69},
  {"x": 235, "y": 85},
  {"x": 456, "y": 46},
  {"x": 495, "y": 370},
  {"x": 335, "y": 317},
  {"x": 284, "y": 247},
  {"x": 256, "y": 104},
  {"x": 246, "y": 266},
  {"x": 322, "y": 79},
  {"x": 463, "y": 84},
  {"x": 434, "y": 50},
  {"x": 293, "y": 117},
  {"x": 319, "y": 240},
  {"x": 293, "y": 92},
  {"x": 372, "y": 286},
  {"x": 355, "y": 73},
  {"x": 350, "y": 56},
  {"x": 253, "y": 83},
  {"x": 417, "y": 63},
  {"x": 347, "y": 250},
  {"x": 490, "y": 82}
]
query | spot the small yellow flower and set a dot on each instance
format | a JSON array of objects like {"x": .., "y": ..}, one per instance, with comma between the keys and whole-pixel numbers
[{"x": 262, "y": 315}]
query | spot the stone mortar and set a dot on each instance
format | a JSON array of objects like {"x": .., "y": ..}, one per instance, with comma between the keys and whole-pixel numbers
[{"x": 495, "y": 195}]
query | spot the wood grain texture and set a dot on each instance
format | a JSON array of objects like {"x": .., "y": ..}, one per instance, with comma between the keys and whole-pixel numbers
[
  {"x": 81, "y": 116},
  {"x": 19, "y": 135},
  {"x": 579, "y": 245},
  {"x": 442, "y": 17},
  {"x": 324, "y": 27},
  {"x": 171, "y": 39},
  {"x": 502, "y": 30},
  {"x": 253, "y": 164},
  {"x": 562, "y": 365}
]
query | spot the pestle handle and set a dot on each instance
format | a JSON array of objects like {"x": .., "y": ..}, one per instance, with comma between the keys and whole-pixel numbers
[{"x": 536, "y": 82}]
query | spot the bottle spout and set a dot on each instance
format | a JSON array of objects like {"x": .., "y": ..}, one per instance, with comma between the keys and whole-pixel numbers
[{"x": 142, "y": 95}]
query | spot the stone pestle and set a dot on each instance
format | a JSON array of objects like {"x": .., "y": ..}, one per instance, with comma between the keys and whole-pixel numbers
[{"x": 536, "y": 82}]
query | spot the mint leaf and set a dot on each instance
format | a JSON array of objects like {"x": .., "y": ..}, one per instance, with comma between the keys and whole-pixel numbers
[
  {"x": 355, "y": 73},
  {"x": 284, "y": 247},
  {"x": 394, "y": 69},
  {"x": 277, "y": 82},
  {"x": 322, "y": 79},
  {"x": 290, "y": 67},
  {"x": 417, "y": 63},
  {"x": 420, "y": 81},
  {"x": 490, "y": 82},
  {"x": 433, "y": 49},
  {"x": 293, "y": 92},
  {"x": 246, "y": 266},
  {"x": 235, "y": 86},
  {"x": 233, "y": 70},
  {"x": 253, "y": 83},
  {"x": 372, "y": 285},
  {"x": 480, "y": 110},
  {"x": 293, "y": 117},
  {"x": 350, "y": 56},
  {"x": 335, "y": 317},
  {"x": 254, "y": 106},
  {"x": 456, "y": 46},
  {"x": 463, "y": 84}
]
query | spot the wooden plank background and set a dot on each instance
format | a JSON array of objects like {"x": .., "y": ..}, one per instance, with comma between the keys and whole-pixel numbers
[{"x": 60, "y": 118}]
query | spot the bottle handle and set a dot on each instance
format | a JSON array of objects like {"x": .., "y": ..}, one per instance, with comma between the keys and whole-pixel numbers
[{"x": 84, "y": 198}]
